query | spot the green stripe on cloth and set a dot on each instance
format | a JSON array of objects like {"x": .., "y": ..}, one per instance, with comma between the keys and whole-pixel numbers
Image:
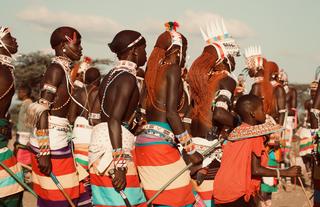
[
  {"x": 268, "y": 188},
  {"x": 108, "y": 196},
  {"x": 5, "y": 182},
  {"x": 152, "y": 143},
  {"x": 6, "y": 155},
  {"x": 82, "y": 162},
  {"x": 305, "y": 145}
]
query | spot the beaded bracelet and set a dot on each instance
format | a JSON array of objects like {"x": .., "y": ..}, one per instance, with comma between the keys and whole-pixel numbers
[
  {"x": 118, "y": 159},
  {"x": 186, "y": 142},
  {"x": 43, "y": 142}
]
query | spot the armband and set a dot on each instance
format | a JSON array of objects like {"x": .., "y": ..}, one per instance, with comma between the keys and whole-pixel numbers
[
  {"x": 186, "y": 142},
  {"x": 186, "y": 120},
  {"x": 94, "y": 116},
  {"x": 118, "y": 159},
  {"x": 282, "y": 111},
  {"x": 50, "y": 88}
]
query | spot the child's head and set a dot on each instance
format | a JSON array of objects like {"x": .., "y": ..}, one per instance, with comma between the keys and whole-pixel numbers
[{"x": 250, "y": 109}]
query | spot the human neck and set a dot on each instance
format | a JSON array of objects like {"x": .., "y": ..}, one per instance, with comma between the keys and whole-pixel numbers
[
  {"x": 4, "y": 52},
  {"x": 249, "y": 120}
]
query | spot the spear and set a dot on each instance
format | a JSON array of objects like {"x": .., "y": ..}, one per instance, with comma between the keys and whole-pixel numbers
[
  {"x": 58, "y": 184},
  {"x": 204, "y": 154},
  {"x": 18, "y": 179}
]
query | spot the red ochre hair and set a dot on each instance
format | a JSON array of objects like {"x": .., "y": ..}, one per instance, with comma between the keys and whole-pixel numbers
[
  {"x": 202, "y": 87},
  {"x": 267, "y": 88},
  {"x": 153, "y": 71}
]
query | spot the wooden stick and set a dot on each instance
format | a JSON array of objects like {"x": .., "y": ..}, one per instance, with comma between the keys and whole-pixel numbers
[
  {"x": 12, "y": 174},
  {"x": 204, "y": 154},
  {"x": 304, "y": 191},
  {"x": 58, "y": 184}
]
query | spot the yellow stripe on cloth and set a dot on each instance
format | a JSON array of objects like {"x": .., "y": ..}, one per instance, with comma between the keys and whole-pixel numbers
[
  {"x": 132, "y": 169},
  {"x": 10, "y": 190},
  {"x": 67, "y": 181},
  {"x": 206, "y": 185},
  {"x": 163, "y": 174}
]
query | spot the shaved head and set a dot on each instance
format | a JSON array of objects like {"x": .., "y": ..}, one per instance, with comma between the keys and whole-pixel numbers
[{"x": 247, "y": 104}]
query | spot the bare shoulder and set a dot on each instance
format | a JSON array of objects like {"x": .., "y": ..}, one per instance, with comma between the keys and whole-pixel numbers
[
  {"x": 228, "y": 83},
  {"x": 173, "y": 71},
  {"x": 54, "y": 69}
]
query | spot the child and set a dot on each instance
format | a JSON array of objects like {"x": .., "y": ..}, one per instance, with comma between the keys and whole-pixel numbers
[{"x": 243, "y": 161}]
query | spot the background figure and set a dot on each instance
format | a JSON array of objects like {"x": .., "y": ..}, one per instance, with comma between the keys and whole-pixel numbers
[
  {"x": 10, "y": 191},
  {"x": 23, "y": 132}
]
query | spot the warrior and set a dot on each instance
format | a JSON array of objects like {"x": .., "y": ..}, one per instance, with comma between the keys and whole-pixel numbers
[
  {"x": 158, "y": 159},
  {"x": 315, "y": 126},
  {"x": 50, "y": 144},
  {"x": 23, "y": 132},
  {"x": 10, "y": 191},
  {"x": 81, "y": 117},
  {"x": 240, "y": 89},
  {"x": 274, "y": 102},
  {"x": 212, "y": 86},
  {"x": 304, "y": 132},
  {"x": 244, "y": 157},
  {"x": 110, "y": 151},
  {"x": 291, "y": 121}
]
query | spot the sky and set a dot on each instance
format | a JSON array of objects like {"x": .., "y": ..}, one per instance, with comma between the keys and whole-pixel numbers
[{"x": 287, "y": 30}]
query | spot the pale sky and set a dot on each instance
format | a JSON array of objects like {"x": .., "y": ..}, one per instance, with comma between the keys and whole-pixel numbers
[{"x": 287, "y": 30}]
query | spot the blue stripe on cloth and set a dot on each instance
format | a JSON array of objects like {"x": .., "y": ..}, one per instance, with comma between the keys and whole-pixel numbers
[
  {"x": 110, "y": 197},
  {"x": 317, "y": 196},
  {"x": 5, "y": 182},
  {"x": 189, "y": 205},
  {"x": 153, "y": 143},
  {"x": 209, "y": 203},
  {"x": 161, "y": 124}
]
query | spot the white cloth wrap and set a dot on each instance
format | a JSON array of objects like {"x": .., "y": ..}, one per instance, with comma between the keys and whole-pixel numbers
[
  {"x": 82, "y": 131},
  {"x": 101, "y": 148},
  {"x": 202, "y": 145},
  {"x": 24, "y": 138},
  {"x": 58, "y": 128}
]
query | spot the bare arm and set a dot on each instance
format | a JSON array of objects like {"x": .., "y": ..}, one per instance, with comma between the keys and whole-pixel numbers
[
  {"x": 293, "y": 102},
  {"x": 120, "y": 105},
  {"x": 258, "y": 170},
  {"x": 255, "y": 90},
  {"x": 173, "y": 80},
  {"x": 281, "y": 103},
  {"x": 220, "y": 114},
  {"x": 316, "y": 105},
  {"x": 73, "y": 111},
  {"x": 52, "y": 77}
]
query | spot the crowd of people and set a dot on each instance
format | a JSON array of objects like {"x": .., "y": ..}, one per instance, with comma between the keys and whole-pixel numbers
[{"x": 164, "y": 136}]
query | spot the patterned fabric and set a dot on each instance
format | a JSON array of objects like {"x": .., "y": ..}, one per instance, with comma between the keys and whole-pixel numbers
[
  {"x": 269, "y": 184},
  {"x": 8, "y": 185},
  {"x": 104, "y": 195},
  {"x": 205, "y": 192},
  {"x": 63, "y": 167},
  {"x": 158, "y": 161},
  {"x": 287, "y": 135},
  {"x": 306, "y": 144}
]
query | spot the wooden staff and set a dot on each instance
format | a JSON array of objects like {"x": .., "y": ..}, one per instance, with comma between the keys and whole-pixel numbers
[
  {"x": 204, "y": 154},
  {"x": 18, "y": 179},
  {"x": 58, "y": 184},
  {"x": 304, "y": 191}
]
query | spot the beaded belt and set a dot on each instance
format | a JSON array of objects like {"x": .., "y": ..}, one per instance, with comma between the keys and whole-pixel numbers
[
  {"x": 159, "y": 131},
  {"x": 83, "y": 126}
]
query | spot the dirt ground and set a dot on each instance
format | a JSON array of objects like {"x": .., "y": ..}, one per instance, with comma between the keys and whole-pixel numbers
[{"x": 293, "y": 198}]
